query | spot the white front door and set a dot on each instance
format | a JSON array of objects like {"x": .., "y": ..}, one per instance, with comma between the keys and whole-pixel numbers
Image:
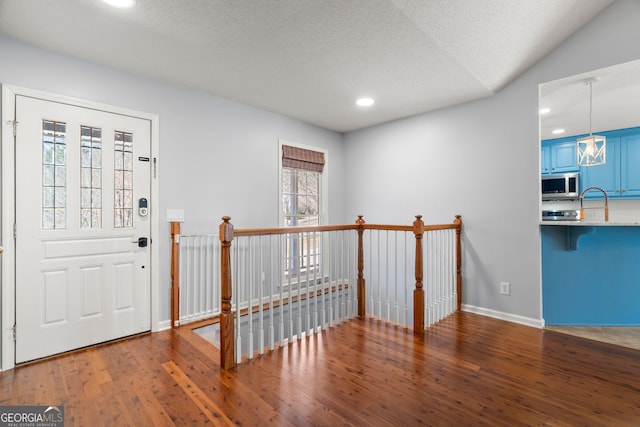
[{"x": 82, "y": 275}]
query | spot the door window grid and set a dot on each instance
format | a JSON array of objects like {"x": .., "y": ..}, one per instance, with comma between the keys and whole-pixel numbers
[
  {"x": 91, "y": 177},
  {"x": 123, "y": 180},
  {"x": 54, "y": 175}
]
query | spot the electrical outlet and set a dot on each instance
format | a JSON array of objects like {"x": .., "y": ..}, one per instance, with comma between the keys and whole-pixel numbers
[{"x": 505, "y": 288}]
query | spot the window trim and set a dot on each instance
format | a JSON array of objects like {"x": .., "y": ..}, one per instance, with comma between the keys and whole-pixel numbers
[
  {"x": 289, "y": 280},
  {"x": 324, "y": 182}
]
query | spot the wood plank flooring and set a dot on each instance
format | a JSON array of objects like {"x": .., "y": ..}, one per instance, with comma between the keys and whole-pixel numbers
[{"x": 467, "y": 370}]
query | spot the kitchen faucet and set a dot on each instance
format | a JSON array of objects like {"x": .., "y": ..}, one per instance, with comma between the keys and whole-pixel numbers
[{"x": 606, "y": 202}]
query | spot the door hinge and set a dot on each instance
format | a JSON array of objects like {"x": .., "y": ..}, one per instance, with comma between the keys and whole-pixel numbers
[
  {"x": 14, "y": 332},
  {"x": 15, "y": 231},
  {"x": 13, "y": 123}
]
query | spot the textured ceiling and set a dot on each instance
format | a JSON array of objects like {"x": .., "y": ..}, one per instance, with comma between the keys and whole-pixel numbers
[
  {"x": 310, "y": 59},
  {"x": 615, "y": 101}
]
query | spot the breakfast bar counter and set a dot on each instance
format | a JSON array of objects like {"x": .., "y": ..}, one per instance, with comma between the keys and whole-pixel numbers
[{"x": 591, "y": 273}]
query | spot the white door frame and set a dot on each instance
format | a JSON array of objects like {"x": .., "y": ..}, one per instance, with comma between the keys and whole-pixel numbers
[{"x": 7, "y": 211}]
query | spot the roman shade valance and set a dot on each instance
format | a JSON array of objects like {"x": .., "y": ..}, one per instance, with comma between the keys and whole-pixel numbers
[{"x": 301, "y": 158}]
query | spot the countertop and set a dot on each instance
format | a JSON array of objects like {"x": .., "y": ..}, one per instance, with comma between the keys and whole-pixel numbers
[
  {"x": 567, "y": 234},
  {"x": 588, "y": 223}
]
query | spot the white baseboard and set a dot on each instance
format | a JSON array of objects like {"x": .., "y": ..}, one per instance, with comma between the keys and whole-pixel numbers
[
  {"x": 163, "y": 325},
  {"x": 515, "y": 318}
]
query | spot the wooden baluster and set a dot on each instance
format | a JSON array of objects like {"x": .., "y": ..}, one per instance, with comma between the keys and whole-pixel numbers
[
  {"x": 175, "y": 274},
  {"x": 458, "y": 223},
  {"x": 361, "y": 283},
  {"x": 418, "y": 293},
  {"x": 227, "y": 336}
]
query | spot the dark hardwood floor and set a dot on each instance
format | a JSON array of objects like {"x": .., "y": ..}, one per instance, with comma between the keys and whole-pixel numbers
[{"x": 467, "y": 370}]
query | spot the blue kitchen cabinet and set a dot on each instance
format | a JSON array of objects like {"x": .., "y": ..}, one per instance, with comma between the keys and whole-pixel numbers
[
  {"x": 559, "y": 156},
  {"x": 630, "y": 166},
  {"x": 545, "y": 159},
  {"x": 620, "y": 175}
]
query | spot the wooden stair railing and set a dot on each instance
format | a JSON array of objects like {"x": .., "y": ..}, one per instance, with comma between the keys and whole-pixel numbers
[
  {"x": 227, "y": 334},
  {"x": 418, "y": 293},
  {"x": 175, "y": 274},
  {"x": 362, "y": 303},
  {"x": 227, "y": 233},
  {"x": 458, "y": 223}
]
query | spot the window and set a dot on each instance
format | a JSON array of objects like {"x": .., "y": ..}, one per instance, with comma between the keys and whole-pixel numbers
[
  {"x": 91, "y": 177},
  {"x": 123, "y": 180},
  {"x": 54, "y": 175},
  {"x": 302, "y": 198}
]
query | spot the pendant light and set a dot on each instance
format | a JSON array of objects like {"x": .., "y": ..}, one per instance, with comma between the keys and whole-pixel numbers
[{"x": 592, "y": 150}]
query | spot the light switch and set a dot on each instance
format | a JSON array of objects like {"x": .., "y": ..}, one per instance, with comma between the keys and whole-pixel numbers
[{"x": 175, "y": 215}]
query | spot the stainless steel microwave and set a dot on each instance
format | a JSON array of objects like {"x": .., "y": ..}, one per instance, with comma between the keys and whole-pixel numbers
[{"x": 561, "y": 186}]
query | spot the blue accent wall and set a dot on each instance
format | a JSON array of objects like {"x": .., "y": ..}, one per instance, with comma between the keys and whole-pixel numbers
[{"x": 598, "y": 282}]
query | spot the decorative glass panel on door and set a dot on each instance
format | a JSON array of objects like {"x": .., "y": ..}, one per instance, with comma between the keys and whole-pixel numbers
[
  {"x": 123, "y": 180},
  {"x": 54, "y": 175},
  {"x": 91, "y": 177}
]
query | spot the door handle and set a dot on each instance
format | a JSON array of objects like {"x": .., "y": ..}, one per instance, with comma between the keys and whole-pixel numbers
[{"x": 142, "y": 242}]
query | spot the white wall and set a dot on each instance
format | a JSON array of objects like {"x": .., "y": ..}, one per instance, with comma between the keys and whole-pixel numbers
[
  {"x": 217, "y": 157},
  {"x": 481, "y": 160}
]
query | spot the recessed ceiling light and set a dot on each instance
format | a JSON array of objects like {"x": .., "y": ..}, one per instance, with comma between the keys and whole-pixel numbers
[
  {"x": 365, "y": 102},
  {"x": 557, "y": 131},
  {"x": 545, "y": 110},
  {"x": 120, "y": 3}
]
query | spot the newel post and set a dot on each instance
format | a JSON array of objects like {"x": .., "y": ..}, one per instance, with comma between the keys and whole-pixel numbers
[
  {"x": 227, "y": 352},
  {"x": 175, "y": 274},
  {"x": 458, "y": 223},
  {"x": 418, "y": 293},
  {"x": 361, "y": 282}
]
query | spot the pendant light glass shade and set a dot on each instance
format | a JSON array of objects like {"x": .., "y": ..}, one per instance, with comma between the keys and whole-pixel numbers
[{"x": 592, "y": 150}]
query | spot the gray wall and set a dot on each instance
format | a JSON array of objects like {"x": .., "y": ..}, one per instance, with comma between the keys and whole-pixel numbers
[
  {"x": 217, "y": 157},
  {"x": 481, "y": 160},
  {"x": 478, "y": 159}
]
